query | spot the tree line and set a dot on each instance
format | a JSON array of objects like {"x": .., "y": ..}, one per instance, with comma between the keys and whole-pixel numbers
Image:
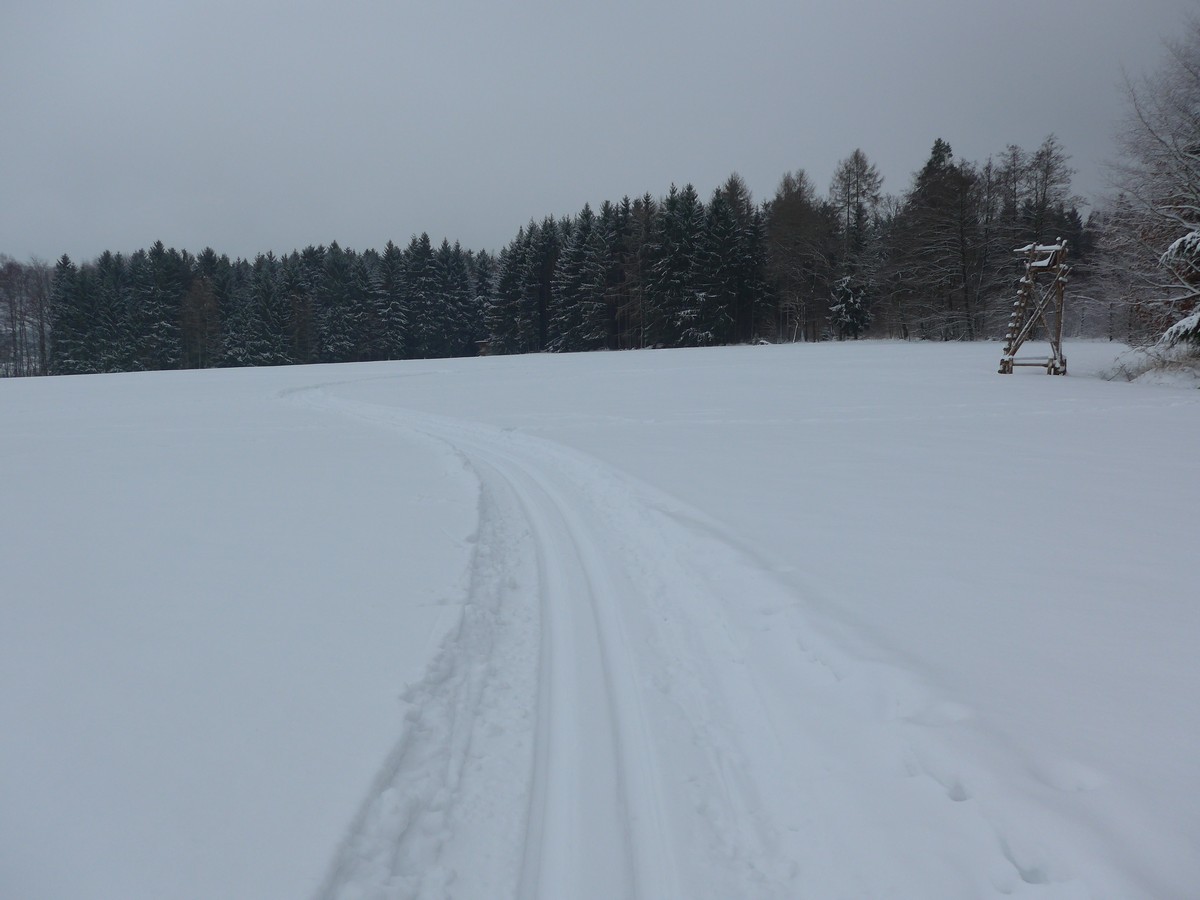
[
  {"x": 934, "y": 262},
  {"x": 165, "y": 309}
]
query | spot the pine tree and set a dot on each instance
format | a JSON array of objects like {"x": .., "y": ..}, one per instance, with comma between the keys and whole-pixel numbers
[
  {"x": 753, "y": 316},
  {"x": 457, "y": 337},
  {"x": 217, "y": 273},
  {"x": 545, "y": 244},
  {"x": 421, "y": 282},
  {"x": 504, "y": 314},
  {"x": 336, "y": 303},
  {"x": 674, "y": 289},
  {"x": 937, "y": 249},
  {"x": 158, "y": 280},
  {"x": 301, "y": 284},
  {"x": 720, "y": 264},
  {"x": 110, "y": 333},
  {"x": 748, "y": 261},
  {"x": 273, "y": 312},
  {"x": 243, "y": 341},
  {"x": 249, "y": 342},
  {"x": 636, "y": 246},
  {"x": 483, "y": 284},
  {"x": 393, "y": 300},
  {"x": 850, "y": 312},
  {"x": 71, "y": 315},
  {"x": 579, "y": 306},
  {"x": 614, "y": 224},
  {"x": 200, "y": 325}
]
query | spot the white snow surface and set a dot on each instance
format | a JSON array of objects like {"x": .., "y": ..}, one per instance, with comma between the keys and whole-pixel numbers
[{"x": 841, "y": 620}]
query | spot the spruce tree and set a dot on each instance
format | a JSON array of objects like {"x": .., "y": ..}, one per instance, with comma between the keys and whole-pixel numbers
[
  {"x": 579, "y": 308},
  {"x": 70, "y": 321},
  {"x": 393, "y": 309},
  {"x": 158, "y": 279},
  {"x": 336, "y": 307},
  {"x": 635, "y": 313},
  {"x": 483, "y": 284},
  {"x": 748, "y": 260},
  {"x": 303, "y": 280},
  {"x": 368, "y": 307},
  {"x": 454, "y": 280},
  {"x": 936, "y": 249},
  {"x": 504, "y": 313},
  {"x": 674, "y": 295},
  {"x": 243, "y": 341},
  {"x": 850, "y": 312},
  {"x": 720, "y": 265},
  {"x": 111, "y": 330},
  {"x": 545, "y": 244},
  {"x": 614, "y": 227},
  {"x": 421, "y": 283}
]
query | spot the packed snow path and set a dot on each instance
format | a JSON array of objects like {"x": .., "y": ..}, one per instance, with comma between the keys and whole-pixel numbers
[{"x": 632, "y": 706}]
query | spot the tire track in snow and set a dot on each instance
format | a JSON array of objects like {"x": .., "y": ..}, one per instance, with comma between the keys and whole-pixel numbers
[
  {"x": 467, "y": 730},
  {"x": 595, "y": 816},
  {"x": 632, "y": 707}
]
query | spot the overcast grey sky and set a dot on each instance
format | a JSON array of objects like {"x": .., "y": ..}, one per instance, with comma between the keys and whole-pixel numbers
[{"x": 252, "y": 125}]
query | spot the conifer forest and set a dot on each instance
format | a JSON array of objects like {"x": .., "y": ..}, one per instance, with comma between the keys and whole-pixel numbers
[{"x": 678, "y": 270}]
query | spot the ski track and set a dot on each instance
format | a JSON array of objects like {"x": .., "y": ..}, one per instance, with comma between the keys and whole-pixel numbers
[{"x": 632, "y": 705}]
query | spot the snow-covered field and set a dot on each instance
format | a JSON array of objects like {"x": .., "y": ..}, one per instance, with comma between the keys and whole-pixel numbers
[{"x": 847, "y": 620}]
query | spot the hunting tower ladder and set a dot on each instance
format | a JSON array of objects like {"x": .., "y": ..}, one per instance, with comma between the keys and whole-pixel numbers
[{"x": 1038, "y": 304}]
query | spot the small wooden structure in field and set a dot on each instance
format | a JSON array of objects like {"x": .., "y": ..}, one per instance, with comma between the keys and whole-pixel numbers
[{"x": 1038, "y": 303}]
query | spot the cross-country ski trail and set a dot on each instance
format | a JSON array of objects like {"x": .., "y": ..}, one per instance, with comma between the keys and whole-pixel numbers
[{"x": 634, "y": 705}]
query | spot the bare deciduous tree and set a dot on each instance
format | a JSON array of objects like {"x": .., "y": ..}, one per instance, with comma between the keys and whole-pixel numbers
[
  {"x": 1152, "y": 226},
  {"x": 24, "y": 315}
]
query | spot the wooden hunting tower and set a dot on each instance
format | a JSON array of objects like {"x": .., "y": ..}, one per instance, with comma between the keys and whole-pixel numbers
[{"x": 1038, "y": 303}]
